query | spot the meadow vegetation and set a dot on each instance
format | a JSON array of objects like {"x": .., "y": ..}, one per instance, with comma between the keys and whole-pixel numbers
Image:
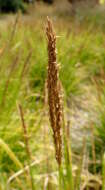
[{"x": 27, "y": 151}]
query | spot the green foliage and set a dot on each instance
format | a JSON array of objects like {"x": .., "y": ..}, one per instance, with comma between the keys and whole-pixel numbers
[
  {"x": 103, "y": 173},
  {"x": 11, "y": 6}
]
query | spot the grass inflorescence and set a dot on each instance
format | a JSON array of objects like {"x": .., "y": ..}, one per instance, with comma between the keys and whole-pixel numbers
[
  {"x": 27, "y": 160},
  {"x": 54, "y": 92}
]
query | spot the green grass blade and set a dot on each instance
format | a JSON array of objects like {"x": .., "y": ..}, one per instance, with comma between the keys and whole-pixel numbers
[
  {"x": 10, "y": 153},
  {"x": 68, "y": 163},
  {"x": 79, "y": 171},
  {"x": 103, "y": 173},
  {"x": 62, "y": 183}
]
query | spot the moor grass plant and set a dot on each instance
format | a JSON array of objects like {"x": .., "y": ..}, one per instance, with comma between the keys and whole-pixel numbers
[{"x": 23, "y": 60}]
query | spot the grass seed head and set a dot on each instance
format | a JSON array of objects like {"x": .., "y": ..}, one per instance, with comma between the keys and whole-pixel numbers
[{"x": 54, "y": 91}]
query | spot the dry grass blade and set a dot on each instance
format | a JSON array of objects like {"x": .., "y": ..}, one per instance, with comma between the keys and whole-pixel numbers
[
  {"x": 54, "y": 91},
  {"x": 93, "y": 148},
  {"x": 46, "y": 183},
  {"x": 25, "y": 131},
  {"x": 26, "y": 168},
  {"x": 92, "y": 182}
]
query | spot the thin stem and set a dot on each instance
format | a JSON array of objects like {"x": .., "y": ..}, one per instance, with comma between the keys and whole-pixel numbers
[{"x": 26, "y": 139}]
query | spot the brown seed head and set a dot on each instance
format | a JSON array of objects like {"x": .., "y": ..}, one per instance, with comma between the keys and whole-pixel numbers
[{"x": 54, "y": 91}]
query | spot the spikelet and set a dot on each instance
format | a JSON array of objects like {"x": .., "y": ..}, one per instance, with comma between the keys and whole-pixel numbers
[{"x": 54, "y": 92}]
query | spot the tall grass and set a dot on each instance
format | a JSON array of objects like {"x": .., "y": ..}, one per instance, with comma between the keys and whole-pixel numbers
[{"x": 23, "y": 62}]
